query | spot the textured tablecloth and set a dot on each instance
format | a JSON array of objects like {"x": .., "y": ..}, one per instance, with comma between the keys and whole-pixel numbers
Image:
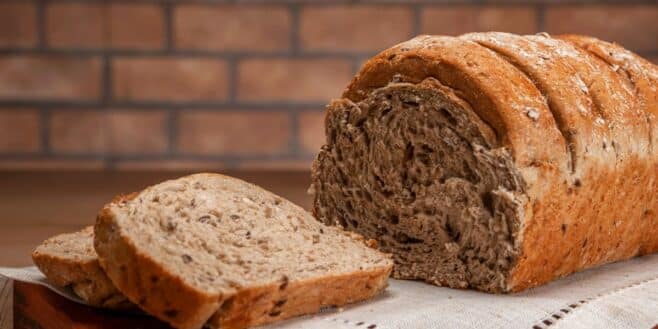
[{"x": 620, "y": 295}]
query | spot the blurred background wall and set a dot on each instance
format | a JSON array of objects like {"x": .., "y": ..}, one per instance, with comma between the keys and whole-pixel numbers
[{"x": 191, "y": 85}]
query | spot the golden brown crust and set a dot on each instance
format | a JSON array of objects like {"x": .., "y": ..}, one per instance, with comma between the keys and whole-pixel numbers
[
  {"x": 599, "y": 210},
  {"x": 560, "y": 83},
  {"x": 642, "y": 77},
  {"x": 610, "y": 149},
  {"x": 261, "y": 305},
  {"x": 133, "y": 272}
]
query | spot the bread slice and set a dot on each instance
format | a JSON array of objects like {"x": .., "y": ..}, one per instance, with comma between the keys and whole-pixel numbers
[
  {"x": 207, "y": 244},
  {"x": 70, "y": 260}
]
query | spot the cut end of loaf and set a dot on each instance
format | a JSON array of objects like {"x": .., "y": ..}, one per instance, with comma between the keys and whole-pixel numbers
[{"x": 414, "y": 168}]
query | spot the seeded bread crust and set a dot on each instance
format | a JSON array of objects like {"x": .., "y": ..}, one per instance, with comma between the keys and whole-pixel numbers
[
  {"x": 78, "y": 268},
  {"x": 642, "y": 77},
  {"x": 164, "y": 294},
  {"x": 578, "y": 134},
  {"x": 260, "y": 305},
  {"x": 610, "y": 139}
]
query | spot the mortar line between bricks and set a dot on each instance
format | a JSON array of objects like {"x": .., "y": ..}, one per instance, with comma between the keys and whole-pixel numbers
[
  {"x": 41, "y": 24},
  {"x": 150, "y": 157},
  {"x": 417, "y": 19},
  {"x": 541, "y": 17},
  {"x": 356, "y": 65},
  {"x": 167, "y": 8},
  {"x": 44, "y": 131},
  {"x": 295, "y": 12},
  {"x": 294, "y": 143},
  {"x": 184, "y": 53},
  {"x": 147, "y": 106},
  {"x": 172, "y": 131},
  {"x": 106, "y": 81},
  {"x": 232, "y": 77}
]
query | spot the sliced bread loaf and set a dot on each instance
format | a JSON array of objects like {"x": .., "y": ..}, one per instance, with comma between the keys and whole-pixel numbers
[
  {"x": 70, "y": 260},
  {"x": 207, "y": 244},
  {"x": 495, "y": 161}
]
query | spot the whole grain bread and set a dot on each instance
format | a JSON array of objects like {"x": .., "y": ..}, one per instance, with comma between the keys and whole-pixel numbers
[
  {"x": 69, "y": 260},
  {"x": 495, "y": 161},
  {"x": 210, "y": 248}
]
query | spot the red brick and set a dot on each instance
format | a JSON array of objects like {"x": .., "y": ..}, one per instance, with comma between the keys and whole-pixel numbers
[
  {"x": 456, "y": 20},
  {"x": 292, "y": 79},
  {"x": 231, "y": 27},
  {"x": 34, "y": 77},
  {"x": 98, "y": 25},
  {"x": 77, "y": 132},
  {"x": 75, "y": 25},
  {"x": 136, "y": 26},
  {"x": 169, "y": 79},
  {"x": 235, "y": 132},
  {"x": 117, "y": 132},
  {"x": 633, "y": 26},
  {"x": 311, "y": 130},
  {"x": 354, "y": 28},
  {"x": 137, "y": 132},
  {"x": 18, "y": 24},
  {"x": 19, "y": 131}
]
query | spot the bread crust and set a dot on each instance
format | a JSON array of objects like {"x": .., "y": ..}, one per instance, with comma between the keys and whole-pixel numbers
[
  {"x": 174, "y": 301},
  {"x": 83, "y": 275},
  {"x": 275, "y": 302},
  {"x": 144, "y": 281},
  {"x": 578, "y": 214},
  {"x": 642, "y": 76},
  {"x": 610, "y": 149}
]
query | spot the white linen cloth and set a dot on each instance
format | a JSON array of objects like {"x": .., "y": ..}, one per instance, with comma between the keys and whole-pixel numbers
[{"x": 619, "y": 295}]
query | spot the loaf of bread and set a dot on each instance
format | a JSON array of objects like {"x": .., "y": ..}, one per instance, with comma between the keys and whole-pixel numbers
[
  {"x": 69, "y": 260},
  {"x": 210, "y": 249},
  {"x": 495, "y": 161}
]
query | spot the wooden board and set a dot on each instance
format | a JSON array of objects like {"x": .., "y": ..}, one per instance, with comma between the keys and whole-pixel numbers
[
  {"x": 37, "y": 307},
  {"x": 6, "y": 302}
]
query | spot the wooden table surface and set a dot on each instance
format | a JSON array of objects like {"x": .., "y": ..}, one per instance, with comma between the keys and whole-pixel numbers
[
  {"x": 6, "y": 303},
  {"x": 37, "y": 205}
]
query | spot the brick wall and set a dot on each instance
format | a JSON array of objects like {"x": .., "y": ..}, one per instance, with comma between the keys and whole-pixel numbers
[{"x": 211, "y": 84}]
